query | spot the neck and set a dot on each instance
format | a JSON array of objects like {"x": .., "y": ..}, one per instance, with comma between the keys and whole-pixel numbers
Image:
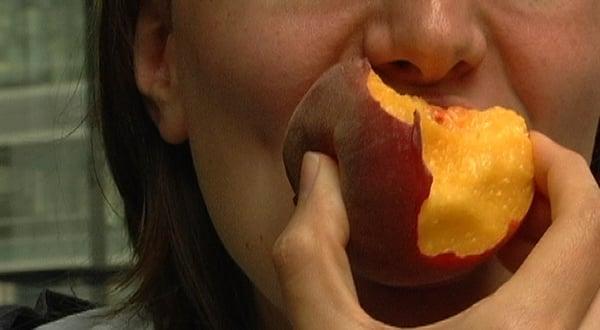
[{"x": 269, "y": 316}]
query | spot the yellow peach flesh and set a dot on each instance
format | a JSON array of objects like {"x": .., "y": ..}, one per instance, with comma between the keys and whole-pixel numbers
[{"x": 482, "y": 168}]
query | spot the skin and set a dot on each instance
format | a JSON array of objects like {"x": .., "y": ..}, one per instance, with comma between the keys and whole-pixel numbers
[{"x": 225, "y": 76}]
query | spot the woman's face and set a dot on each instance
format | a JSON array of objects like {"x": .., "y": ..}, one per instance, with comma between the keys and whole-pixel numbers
[{"x": 242, "y": 66}]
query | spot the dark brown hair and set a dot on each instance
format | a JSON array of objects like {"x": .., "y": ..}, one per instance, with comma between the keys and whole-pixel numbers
[{"x": 184, "y": 277}]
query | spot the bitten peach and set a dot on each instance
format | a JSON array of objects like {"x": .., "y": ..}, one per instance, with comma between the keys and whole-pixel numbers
[{"x": 430, "y": 192}]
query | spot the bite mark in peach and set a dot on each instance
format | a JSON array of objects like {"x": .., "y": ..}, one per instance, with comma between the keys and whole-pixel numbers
[
  {"x": 481, "y": 184},
  {"x": 430, "y": 193}
]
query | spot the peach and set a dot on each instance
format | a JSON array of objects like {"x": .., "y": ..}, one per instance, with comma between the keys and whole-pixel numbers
[{"x": 430, "y": 192}]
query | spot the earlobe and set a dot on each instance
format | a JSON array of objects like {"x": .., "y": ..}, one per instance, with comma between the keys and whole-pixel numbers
[{"x": 154, "y": 66}]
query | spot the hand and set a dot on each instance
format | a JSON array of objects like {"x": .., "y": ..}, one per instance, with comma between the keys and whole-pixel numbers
[{"x": 556, "y": 285}]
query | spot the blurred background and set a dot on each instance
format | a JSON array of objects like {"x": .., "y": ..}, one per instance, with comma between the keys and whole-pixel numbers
[{"x": 59, "y": 219}]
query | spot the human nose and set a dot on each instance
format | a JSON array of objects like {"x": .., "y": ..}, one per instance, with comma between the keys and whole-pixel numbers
[{"x": 426, "y": 41}]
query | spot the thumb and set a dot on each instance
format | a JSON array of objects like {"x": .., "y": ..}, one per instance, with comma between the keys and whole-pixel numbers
[
  {"x": 310, "y": 258},
  {"x": 533, "y": 227}
]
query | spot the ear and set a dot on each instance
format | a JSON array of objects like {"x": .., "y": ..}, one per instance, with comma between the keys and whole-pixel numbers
[{"x": 155, "y": 74}]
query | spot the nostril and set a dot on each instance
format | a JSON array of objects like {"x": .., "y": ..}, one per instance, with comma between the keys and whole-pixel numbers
[
  {"x": 402, "y": 64},
  {"x": 461, "y": 69},
  {"x": 407, "y": 71},
  {"x": 428, "y": 73},
  {"x": 407, "y": 67}
]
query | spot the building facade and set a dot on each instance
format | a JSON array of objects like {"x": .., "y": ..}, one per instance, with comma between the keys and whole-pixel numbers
[{"x": 60, "y": 225}]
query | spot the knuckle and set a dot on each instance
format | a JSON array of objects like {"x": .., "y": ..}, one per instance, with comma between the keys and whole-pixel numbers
[
  {"x": 569, "y": 161},
  {"x": 593, "y": 203},
  {"x": 594, "y": 197},
  {"x": 328, "y": 205},
  {"x": 309, "y": 232},
  {"x": 571, "y": 158},
  {"x": 589, "y": 207},
  {"x": 592, "y": 211},
  {"x": 293, "y": 247}
]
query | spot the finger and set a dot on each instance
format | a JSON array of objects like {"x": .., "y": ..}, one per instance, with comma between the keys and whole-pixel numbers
[
  {"x": 560, "y": 174},
  {"x": 592, "y": 319},
  {"x": 310, "y": 258},
  {"x": 534, "y": 225},
  {"x": 562, "y": 274},
  {"x": 514, "y": 253},
  {"x": 537, "y": 221}
]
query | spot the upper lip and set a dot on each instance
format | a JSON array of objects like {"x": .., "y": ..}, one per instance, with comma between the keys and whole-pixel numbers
[
  {"x": 446, "y": 100},
  {"x": 436, "y": 94}
]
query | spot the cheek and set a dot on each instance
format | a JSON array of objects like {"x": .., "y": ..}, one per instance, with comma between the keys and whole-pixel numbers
[
  {"x": 257, "y": 59},
  {"x": 553, "y": 65},
  {"x": 242, "y": 71},
  {"x": 244, "y": 187}
]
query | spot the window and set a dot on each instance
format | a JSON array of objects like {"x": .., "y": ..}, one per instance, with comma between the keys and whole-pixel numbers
[{"x": 56, "y": 229}]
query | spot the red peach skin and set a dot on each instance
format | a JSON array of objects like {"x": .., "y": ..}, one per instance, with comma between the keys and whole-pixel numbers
[{"x": 383, "y": 177}]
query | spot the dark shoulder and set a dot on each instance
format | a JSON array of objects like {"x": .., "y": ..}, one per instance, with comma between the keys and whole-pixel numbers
[
  {"x": 50, "y": 306},
  {"x": 99, "y": 319},
  {"x": 57, "y": 311}
]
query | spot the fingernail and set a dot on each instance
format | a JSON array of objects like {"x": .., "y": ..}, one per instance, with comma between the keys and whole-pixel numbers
[{"x": 310, "y": 168}]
